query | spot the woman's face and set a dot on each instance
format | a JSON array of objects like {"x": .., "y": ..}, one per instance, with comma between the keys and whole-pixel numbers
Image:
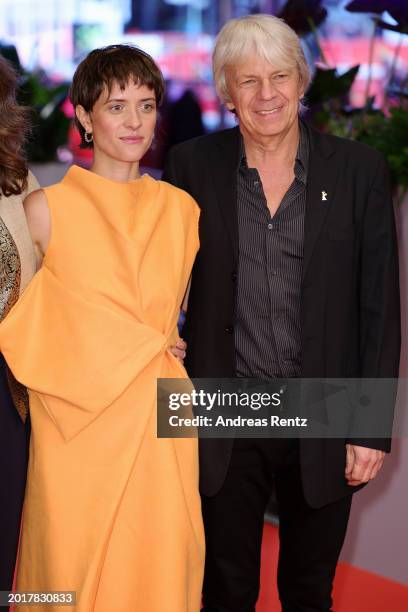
[{"x": 122, "y": 122}]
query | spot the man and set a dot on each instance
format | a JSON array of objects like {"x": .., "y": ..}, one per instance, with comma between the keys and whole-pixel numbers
[{"x": 297, "y": 275}]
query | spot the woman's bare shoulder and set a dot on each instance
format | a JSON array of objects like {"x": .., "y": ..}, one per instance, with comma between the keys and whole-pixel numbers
[
  {"x": 36, "y": 198},
  {"x": 36, "y": 204}
]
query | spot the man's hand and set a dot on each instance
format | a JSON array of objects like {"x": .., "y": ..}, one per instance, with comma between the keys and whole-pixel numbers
[
  {"x": 179, "y": 351},
  {"x": 362, "y": 464}
]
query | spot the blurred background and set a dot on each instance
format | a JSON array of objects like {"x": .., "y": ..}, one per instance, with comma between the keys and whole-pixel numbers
[{"x": 358, "y": 52}]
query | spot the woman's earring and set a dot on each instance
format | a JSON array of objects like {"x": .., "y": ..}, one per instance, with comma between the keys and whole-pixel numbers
[{"x": 88, "y": 136}]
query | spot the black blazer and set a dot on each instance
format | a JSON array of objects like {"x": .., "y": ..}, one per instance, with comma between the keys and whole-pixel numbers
[{"x": 350, "y": 309}]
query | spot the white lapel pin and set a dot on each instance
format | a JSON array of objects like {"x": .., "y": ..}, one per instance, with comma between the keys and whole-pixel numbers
[{"x": 324, "y": 196}]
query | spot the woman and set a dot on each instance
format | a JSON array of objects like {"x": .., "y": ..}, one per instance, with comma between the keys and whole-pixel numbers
[
  {"x": 17, "y": 266},
  {"x": 111, "y": 512}
]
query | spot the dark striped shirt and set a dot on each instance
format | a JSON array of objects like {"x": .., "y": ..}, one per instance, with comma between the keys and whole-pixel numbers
[{"x": 267, "y": 324}]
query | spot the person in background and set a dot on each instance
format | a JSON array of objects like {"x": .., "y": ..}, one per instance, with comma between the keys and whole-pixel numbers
[
  {"x": 111, "y": 512},
  {"x": 184, "y": 119},
  {"x": 17, "y": 266},
  {"x": 297, "y": 276}
]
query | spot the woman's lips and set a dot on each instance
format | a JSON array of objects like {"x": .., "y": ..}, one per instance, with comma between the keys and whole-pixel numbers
[{"x": 131, "y": 139}]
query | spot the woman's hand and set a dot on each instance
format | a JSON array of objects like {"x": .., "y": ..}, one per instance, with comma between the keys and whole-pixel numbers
[{"x": 179, "y": 350}]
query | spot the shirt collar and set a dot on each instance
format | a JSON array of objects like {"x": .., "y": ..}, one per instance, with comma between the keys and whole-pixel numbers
[{"x": 302, "y": 155}]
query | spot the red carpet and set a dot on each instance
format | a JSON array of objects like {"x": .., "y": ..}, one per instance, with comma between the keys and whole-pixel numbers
[{"x": 355, "y": 590}]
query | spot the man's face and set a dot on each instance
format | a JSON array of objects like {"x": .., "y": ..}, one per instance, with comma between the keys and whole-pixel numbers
[{"x": 265, "y": 98}]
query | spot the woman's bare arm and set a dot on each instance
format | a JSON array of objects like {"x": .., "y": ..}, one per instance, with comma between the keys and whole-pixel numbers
[{"x": 38, "y": 221}]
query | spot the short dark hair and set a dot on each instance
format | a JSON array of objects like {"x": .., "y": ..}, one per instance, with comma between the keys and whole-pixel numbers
[{"x": 109, "y": 65}]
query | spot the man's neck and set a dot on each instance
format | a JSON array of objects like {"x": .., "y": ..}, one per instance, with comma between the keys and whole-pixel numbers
[{"x": 277, "y": 151}]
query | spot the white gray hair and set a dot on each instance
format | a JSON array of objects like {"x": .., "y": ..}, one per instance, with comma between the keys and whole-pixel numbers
[{"x": 270, "y": 37}]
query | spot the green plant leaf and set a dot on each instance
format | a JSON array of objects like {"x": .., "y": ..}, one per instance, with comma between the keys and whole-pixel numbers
[{"x": 328, "y": 85}]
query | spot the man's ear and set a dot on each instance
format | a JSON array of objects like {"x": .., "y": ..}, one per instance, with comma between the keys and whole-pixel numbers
[
  {"x": 84, "y": 118},
  {"x": 230, "y": 107}
]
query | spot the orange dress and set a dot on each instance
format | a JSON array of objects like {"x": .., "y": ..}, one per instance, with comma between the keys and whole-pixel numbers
[{"x": 111, "y": 511}]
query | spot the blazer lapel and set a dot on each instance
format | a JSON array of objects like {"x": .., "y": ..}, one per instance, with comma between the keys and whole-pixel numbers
[
  {"x": 224, "y": 166},
  {"x": 321, "y": 185}
]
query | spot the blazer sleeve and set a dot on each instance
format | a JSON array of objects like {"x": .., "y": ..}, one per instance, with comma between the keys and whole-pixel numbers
[
  {"x": 380, "y": 323},
  {"x": 170, "y": 169}
]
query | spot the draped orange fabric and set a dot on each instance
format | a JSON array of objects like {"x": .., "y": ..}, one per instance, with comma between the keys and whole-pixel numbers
[{"x": 111, "y": 512}]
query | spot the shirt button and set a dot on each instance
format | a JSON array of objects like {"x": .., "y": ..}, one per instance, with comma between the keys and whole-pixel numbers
[
  {"x": 229, "y": 329},
  {"x": 270, "y": 226}
]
